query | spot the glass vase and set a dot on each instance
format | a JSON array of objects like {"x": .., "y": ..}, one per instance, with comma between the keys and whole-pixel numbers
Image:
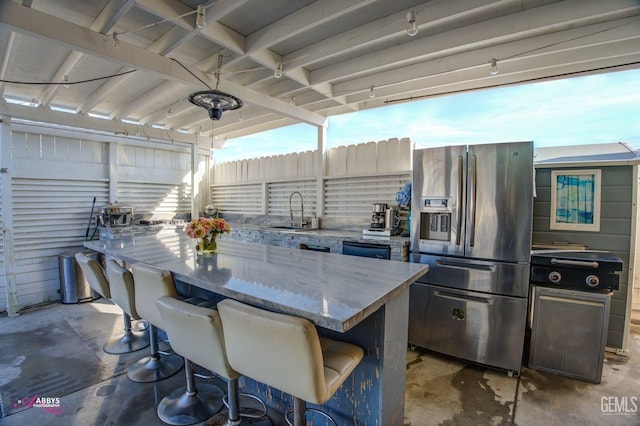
[{"x": 207, "y": 245}]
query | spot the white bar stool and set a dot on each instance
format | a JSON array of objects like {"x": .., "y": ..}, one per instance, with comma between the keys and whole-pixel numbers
[
  {"x": 285, "y": 352},
  {"x": 129, "y": 341},
  {"x": 196, "y": 334},
  {"x": 151, "y": 283}
]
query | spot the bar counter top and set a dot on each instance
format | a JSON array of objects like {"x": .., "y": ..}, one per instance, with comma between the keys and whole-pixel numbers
[{"x": 333, "y": 291}]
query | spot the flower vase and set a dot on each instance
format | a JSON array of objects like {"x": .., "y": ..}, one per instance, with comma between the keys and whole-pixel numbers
[{"x": 207, "y": 245}]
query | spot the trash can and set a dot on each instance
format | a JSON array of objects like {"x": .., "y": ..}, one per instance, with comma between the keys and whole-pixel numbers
[{"x": 74, "y": 287}]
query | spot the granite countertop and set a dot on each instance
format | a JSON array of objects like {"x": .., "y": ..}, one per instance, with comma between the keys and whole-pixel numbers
[
  {"x": 116, "y": 232},
  {"x": 333, "y": 291},
  {"x": 327, "y": 233}
]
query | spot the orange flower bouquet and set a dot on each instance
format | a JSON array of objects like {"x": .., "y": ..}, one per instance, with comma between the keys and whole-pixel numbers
[{"x": 206, "y": 231}]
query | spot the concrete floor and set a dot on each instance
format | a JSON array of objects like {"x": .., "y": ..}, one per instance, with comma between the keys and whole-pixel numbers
[{"x": 56, "y": 351}]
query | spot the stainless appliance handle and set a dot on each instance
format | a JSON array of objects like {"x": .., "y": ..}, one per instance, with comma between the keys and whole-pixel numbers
[
  {"x": 463, "y": 297},
  {"x": 460, "y": 195},
  {"x": 555, "y": 261},
  {"x": 474, "y": 181},
  {"x": 466, "y": 266}
]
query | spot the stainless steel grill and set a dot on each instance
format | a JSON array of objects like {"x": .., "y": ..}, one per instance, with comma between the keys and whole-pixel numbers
[{"x": 585, "y": 270}]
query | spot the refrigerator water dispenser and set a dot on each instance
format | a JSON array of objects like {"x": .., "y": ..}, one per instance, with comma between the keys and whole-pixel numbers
[{"x": 435, "y": 219}]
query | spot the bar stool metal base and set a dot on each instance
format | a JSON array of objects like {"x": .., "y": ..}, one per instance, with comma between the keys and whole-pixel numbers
[
  {"x": 128, "y": 342},
  {"x": 184, "y": 408},
  {"x": 222, "y": 419},
  {"x": 299, "y": 413},
  {"x": 251, "y": 411},
  {"x": 243, "y": 408},
  {"x": 250, "y": 408},
  {"x": 156, "y": 366},
  {"x": 131, "y": 341}
]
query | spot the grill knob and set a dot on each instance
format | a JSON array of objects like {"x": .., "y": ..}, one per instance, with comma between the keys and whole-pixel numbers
[
  {"x": 555, "y": 277},
  {"x": 592, "y": 281}
]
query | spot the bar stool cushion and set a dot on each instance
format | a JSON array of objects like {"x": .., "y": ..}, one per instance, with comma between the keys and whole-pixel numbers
[
  {"x": 150, "y": 284},
  {"x": 94, "y": 274},
  {"x": 122, "y": 288},
  {"x": 285, "y": 352},
  {"x": 196, "y": 334}
]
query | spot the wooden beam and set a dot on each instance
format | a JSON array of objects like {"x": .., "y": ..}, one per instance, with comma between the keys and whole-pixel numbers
[
  {"x": 317, "y": 13},
  {"x": 513, "y": 27},
  {"x": 7, "y": 39},
  {"x": 82, "y": 122},
  {"x": 38, "y": 24},
  {"x": 111, "y": 14}
]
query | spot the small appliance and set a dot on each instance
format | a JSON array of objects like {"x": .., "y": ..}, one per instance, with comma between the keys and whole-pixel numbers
[
  {"x": 379, "y": 215},
  {"x": 114, "y": 214}
]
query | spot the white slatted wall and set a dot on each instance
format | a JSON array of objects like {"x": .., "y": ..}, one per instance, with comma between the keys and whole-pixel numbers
[
  {"x": 51, "y": 217},
  {"x": 55, "y": 178},
  {"x": 3, "y": 280},
  {"x": 352, "y": 197},
  {"x": 156, "y": 199},
  {"x": 155, "y": 182},
  {"x": 244, "y": 199},
  {"x": 279, "y": 193},
  {"x": 356, "y": 176},
  {"x": 56, "y": 175}
]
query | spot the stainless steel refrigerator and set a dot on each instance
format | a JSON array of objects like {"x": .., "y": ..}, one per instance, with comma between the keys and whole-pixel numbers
[{"x": 471, "y": 219}]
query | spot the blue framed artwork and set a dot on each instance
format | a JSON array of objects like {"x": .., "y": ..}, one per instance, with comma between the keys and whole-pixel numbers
[{"x": 575, "y": 200}]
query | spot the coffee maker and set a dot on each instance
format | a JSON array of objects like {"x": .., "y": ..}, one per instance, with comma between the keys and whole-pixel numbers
[{"x": 378, "y": 218}]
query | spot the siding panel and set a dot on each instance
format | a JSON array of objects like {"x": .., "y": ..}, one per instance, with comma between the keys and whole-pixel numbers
[{"x": 614, "y": 236}]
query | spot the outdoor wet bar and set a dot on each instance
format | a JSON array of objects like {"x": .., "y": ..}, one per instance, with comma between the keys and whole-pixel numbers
[{"x": 351, "y": 299}]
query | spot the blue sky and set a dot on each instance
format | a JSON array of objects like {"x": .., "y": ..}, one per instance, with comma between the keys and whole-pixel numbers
[{"x": 601, "y": 108}]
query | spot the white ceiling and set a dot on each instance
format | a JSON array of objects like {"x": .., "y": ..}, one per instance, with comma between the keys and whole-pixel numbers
[{"x": 332, "y": 51}]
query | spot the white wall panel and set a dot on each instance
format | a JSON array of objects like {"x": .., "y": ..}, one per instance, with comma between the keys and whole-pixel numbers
[
  {"x": 156, "y": 182},
  {"x": 356, "y": 176},
  {"x": 50, "y": 217},
  {"x": 279, "y": 193},
  {"x": 353, "y": 197},
  {"x": 158, "y": 200},
  {"x": 246, "y": 199},
  {"x": 55, "y": 179},
  {"x": 154, "y": 165},
  {"x": 3, "y": 280}
]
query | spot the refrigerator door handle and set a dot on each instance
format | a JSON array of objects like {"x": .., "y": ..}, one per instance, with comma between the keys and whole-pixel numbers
[
  {"x": 463, "y": 297},
  {"x": 474, "y": 181},
  {"x": 489, "y": 267},
  {"x": 460, "y": 194}
]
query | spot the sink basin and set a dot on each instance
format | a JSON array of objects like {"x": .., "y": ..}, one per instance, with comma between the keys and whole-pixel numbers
[{"x": 286, "y": 228}]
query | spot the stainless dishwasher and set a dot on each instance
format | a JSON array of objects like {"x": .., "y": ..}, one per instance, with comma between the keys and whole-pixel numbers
[
  {"x": 356, "y": 248},
  {"x": 569, "y": 332},
  {"x": 570, "y": 304}
]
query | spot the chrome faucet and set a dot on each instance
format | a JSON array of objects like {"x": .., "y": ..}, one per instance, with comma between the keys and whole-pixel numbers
[{"x": 302, "y": 222}]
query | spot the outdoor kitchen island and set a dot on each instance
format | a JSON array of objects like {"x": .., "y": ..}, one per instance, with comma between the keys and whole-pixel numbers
[{"x": 360, "y": 300}]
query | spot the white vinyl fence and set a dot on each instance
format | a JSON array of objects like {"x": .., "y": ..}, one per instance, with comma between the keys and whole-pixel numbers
[{"x": 352, "y": 178}]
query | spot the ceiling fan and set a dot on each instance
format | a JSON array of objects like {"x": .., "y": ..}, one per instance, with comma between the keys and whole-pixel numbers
[{"x": 214, "y": 100}]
